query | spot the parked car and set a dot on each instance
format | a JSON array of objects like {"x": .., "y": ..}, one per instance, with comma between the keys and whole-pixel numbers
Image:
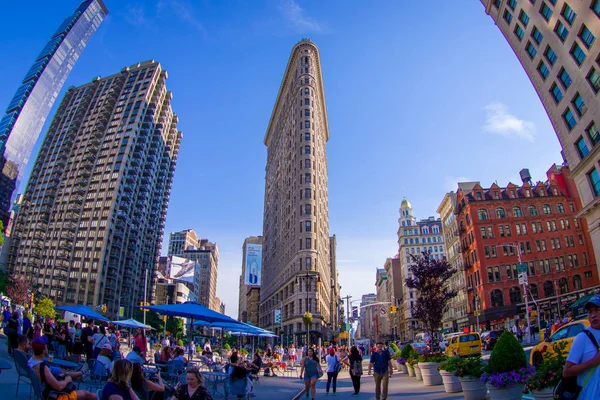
[
  {"x": 489, "y": 339},
  {"x": 446, "y": 340},
  {"x": 564, "y": 334},
  {"x": 420, "y": 347},
  {"x": 464, "y": 344}
]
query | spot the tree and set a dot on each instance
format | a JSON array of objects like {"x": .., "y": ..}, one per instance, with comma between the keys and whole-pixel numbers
[
  {"x": 18, "y": 290},
  {"x": 430, "y": 277},
  {"x": 152, "y": 319},
  {"x": 4, "y": 281},
  {"x": 45, "y": 307},
  {"x": 1, "y": 233},
  {"x": 175, "y": 326}
]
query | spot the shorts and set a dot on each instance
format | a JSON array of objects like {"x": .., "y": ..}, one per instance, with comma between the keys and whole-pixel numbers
[
  {"x": 67, "y": 396},
  {"x": 308, "y": 378}
]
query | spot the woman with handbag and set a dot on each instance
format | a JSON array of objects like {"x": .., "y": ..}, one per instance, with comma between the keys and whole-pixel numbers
[
  {"x": 311, "y": 368},
  {"x": 333, "y": 369},
  {"x": 53, "y": 388}
]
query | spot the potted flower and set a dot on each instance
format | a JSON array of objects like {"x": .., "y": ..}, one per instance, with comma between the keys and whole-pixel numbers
[
  {"x": 447, "y": 369},
  {"x": 428, "y": 364},
  {"x": 507, "y": 370},
  {"x": 412, "y": 361},
  {"x": 402, "y": 357},
  {"x": 541, "y": 384},
  {"x": 469, "y": 371}
]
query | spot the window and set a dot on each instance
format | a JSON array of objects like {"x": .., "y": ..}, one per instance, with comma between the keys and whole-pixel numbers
[
  {"x": 307, "y": 193},
  {"x": 545, "y": 11},
  {"x": 537, "y": 35},
  {"x": 483, "y": 215},
  {"x": 497, "y": 3},
  {"x": 531, "y": 50},
  {"x": 307, "y": 102},
  {"x": 307, "y": 163},
  {"x": 578, "y": 54},
  {"x": 307, "y": 112},
  {"x": 497, "y": 298},
  {"x": 564, "y": 77},
  {"x": 307, "y": 209},
  {"x": 517, "y": 212},
  {"x": 519, "y": 32},
  {"x": 593, "y": 79},
  {"x": 569, "y": 119},
  {"x": 307, "y": 136},
  {"x": 307, "y": 124},
  {"x": 579, "y": 104},
  {"x": 556, "y": 93},
  {"x": 550, "y": 55},
  {"x": 547, "y": 209},
  {"x": 586, "y": 36},
  {"x": 307, "y": 150},
  {"x": 548, "y": 289},
  {"x": 595, "y": 181},
  {"x": 507, "y": 17},
  {"x": 577, "y": 282},
  {"x": 533, "y": 290},
  {"x": 307, "y": 226},
  {"x": 524, "y": 18},
  {"x": 544, "y": 71},
  {"x": 306, "y": 178},
  {"x": 560, "y": 207},
  {"x": 561, "y": 31},
  {"x": 512, "y": 4},
  {"x": 515, "y": 295},
  {"x": 532, "y": 211},
  {"x": 500, "y": 213},
  {"x": 568, "y": 13},
  {"x": 596, "y": 7},
  {"x": 593, "y": 134}
]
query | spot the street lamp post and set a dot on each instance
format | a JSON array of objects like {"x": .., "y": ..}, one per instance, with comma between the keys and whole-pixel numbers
[{"x": 308, "y": 277}]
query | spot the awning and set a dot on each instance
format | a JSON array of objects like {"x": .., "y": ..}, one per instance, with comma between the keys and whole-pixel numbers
[
  {"x": 83, "y": 311},
  {"x": 581, "y": 301}
]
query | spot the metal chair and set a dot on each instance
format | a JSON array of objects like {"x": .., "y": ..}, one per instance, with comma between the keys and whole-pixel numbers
[
  {"x": 174, "y": 370},
  {"x": 37, "y": 385},
  {"x": 22, "y": 369}
]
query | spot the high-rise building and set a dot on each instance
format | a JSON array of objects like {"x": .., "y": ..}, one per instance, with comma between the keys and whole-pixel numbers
[
  {"x": 29, "y": 108},
  {"x": 394, "y": 289},
  {"x": 414, "y": 238},
  {"x": 336, "y": 307},
  {"x": 382, "y": 324},
  {"x": 93, "y": 214},
  {"x": 367, "y": 330},
  {"x": 555, "y": 42},
  {"x": 181, "y": 241},
  {"x": 534, "y": 224},
  {"x": 457, "y": 316},
  {"x": 245, "y": 290},
  {"x": 296, "y": 260}
]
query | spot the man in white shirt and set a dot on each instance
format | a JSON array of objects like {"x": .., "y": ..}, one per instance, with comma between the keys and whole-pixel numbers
[
  {"x": 584, "y": 357},
  {"x": 135, "y": 356}
]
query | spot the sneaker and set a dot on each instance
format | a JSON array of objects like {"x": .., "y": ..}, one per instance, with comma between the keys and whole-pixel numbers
[{"x": 354, "y": 394}]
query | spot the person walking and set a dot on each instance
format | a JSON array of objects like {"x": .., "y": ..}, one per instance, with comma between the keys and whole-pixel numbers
[
  {"x": 310, "y": 367},
  {"x": 382, "y": 365},
  {"x": 12, "y": 332},
  {"x": 584, "y": 358},
  {"x": 355, "y": 361},
  {"x": 333, "y": 368}
]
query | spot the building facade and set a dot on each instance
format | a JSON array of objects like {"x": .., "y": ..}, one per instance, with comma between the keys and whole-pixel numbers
[
  {"x": 414, "y": 238},
  {"x": 244, "y": 291},
  {"x": 181, "y": 241},
  {"x": 536, "y": 222},
  {"x": 206, "y": 257},
  {"x": 555, "y": 43},
  {"x": 394, "y": 289},
  {"x": 382, "y": 320},
  {"x": 336, "y": 308},
  {"x": 457, "y": 316},
  {"x": 90, "y": 226},
  {"x": 27, "y": 112},
  {"x": 296, "y": 259},
  {"x": 367, "y": 313}
]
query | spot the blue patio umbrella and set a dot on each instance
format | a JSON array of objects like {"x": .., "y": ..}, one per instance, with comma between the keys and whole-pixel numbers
[
  {"x": 191, "y": 310},
  {"x": 132, "y": 323},
  {"x": 84, "y": 311}
]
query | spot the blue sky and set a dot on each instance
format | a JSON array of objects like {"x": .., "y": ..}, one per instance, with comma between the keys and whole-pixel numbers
[{"x": 419, "y": 95}]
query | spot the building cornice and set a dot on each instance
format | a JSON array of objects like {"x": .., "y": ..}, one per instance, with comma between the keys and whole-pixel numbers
[{"x": 289, "y": 72}]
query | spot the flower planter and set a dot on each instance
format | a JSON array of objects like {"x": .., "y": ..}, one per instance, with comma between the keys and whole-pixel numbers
[
  {"x": 547, "y": 393},
  {"x": 431, "y": 375},
  {"x": 418, "y": 373},
  {"x": 402, "y": 368},
  {"x": 473, "y": 388},
  {"x": 411, "y": 371},
  {"x": 512, "y": 392},
  {"x": 451, "y": 382}
]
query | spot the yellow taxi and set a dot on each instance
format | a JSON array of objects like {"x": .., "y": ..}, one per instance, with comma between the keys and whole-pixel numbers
[
  {"x": 564, "y": 334},
  {"x": 464, "y": 344}
]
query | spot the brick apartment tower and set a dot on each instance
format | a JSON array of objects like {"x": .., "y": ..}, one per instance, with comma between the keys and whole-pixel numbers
[
  {"x": 555, "y": 41},
  {"x": 296, "y": 240},
  {"x": 93, "y": 214},
  {"x": 541, "y": 219}
]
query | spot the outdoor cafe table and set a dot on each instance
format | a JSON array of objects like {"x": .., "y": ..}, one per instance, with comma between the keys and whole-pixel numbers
[
  {"x": 216, "y": 378},
  {"x": 4, "y": 365},
  {"x": 62, "y": 363}
]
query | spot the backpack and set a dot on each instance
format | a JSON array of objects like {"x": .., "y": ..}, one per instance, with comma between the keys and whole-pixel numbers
[
  {"x": 337, "y": 367},
  {"x": 357, "y": 369},
  {"x": 567, "y": 388}
]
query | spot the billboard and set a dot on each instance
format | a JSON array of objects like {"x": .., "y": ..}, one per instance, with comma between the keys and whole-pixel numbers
[{"x": 253, "y": 264}]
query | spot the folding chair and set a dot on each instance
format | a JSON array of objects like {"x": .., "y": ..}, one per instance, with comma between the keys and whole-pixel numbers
[{"x": 22, "y": 370}]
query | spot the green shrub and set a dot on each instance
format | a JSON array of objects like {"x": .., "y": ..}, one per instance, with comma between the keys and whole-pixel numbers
[
  {"x": 508, "y": 355},
  {"x": 406, "y": 351},
  {"x": 394, "y": 348},
  {"x": 413, "y": 358},
  {"x": 244, "y": 351},
  {"x": 469, "y": 366},
  {"x": 199, "y": 349},
  {"x": 227, "y": 346},
  {"x": 450, "y": 364},
  {"x": 180, "y": 342},
  {"x": 432, "y": 357}
]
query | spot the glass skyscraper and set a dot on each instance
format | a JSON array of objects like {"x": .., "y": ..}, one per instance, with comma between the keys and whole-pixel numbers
[{"x": 27, "y": 112}]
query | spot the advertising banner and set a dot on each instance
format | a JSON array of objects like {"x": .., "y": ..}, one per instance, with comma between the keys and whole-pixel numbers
[{"x": 253, "y": 264}]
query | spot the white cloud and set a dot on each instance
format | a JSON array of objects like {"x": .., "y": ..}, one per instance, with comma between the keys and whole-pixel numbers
[
  {"x": 451, "y": 182},
  {"x": 297, "y": 16},
  {"x": 499, "y": 121}
]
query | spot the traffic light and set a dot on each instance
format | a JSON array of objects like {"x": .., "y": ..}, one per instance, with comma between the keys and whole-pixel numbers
[
  {"x": 392, "y": 310},
  {"x": 164, "y": 318},
  {"x": 103, "y": 308}
]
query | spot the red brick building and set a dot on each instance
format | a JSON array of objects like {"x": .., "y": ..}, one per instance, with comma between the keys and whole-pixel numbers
[{"x": 537, "y": 220}]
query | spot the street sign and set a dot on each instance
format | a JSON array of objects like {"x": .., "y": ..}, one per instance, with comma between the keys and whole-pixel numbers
[
  {"x": 351, "y": 320},
  {"x": 522, "y": 267},
  {"x": 523, "y": 278},
  {"x": 383, "y": 311},
  {"x": 277, "y": 317}
]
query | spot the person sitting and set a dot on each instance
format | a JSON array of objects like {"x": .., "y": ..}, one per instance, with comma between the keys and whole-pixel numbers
[
  {"x": 178, "y": 356},
  {"x": 193, "y": 389},
  {"x": 23, "y": 345},
  {"x": 104, "y": 358},
  {"x": 165, "y": 355},
  {"x": 47, "y": 378},
  {"x": 143, "y": 386},
  {"x": 238, "y": 372},
  {"x": 117, "y": 387},
  {"x": 135, "y": 356},
  {"x": 57, "y": 372}
]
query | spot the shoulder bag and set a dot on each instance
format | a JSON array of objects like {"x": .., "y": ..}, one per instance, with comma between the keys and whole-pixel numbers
[{"x": 567, "y": 388}]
